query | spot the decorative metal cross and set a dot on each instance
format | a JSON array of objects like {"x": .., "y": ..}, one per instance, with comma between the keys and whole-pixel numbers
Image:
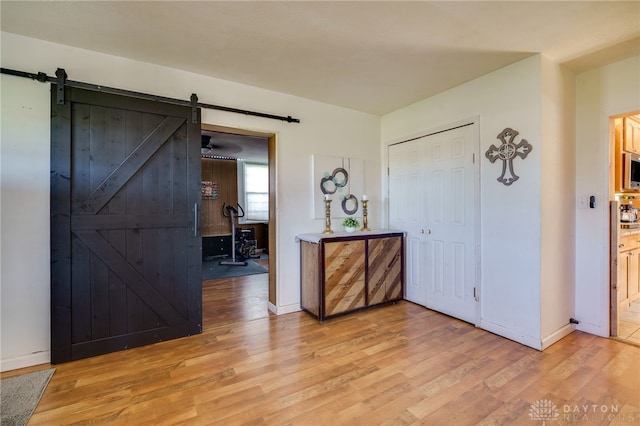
[{"x": 506, "y": 152}]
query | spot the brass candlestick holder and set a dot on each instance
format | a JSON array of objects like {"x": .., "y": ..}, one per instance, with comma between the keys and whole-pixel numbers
[
  {"x": 327, "y": 217},
  {"x": 365, "y": 222}
]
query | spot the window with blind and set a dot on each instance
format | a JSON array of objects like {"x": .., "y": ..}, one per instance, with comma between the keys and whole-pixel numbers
[{"x": 253, "y": 184}]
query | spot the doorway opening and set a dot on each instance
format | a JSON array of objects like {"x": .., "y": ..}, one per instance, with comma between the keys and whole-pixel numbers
[
  {"x": 625, "y": 227},
  {"x": 237, "y": 224}
]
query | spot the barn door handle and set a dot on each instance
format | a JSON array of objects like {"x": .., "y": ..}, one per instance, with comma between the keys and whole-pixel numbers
[{"x": 195, "y": 219}]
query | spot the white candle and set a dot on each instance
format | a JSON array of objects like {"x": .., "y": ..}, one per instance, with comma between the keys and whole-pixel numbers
[
  {"x": 326, "y": 196},
  {"x": 364, "y": 198}
]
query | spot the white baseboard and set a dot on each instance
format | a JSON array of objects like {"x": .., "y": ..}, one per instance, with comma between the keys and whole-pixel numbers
[
  {"x": 559, "y": 334},
  {"x": 30, "y": 360},
  {"x": 281, "y": 310},
  {"x": 530, "y": 341},
  {"x": 593, "y": 329}
]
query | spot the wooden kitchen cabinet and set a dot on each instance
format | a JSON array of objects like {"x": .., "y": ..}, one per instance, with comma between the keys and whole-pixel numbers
[
  {"x": 628, "y": 270},
  {"x": 631, "y": 138},
  {"x": 623, "y": 273},
  {"x": 343, "y": 273},
  {"x": 633, "y": 276}
]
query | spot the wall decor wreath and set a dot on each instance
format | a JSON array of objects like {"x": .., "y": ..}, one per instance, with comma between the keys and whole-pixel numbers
[{"x": 341, "y": 179}]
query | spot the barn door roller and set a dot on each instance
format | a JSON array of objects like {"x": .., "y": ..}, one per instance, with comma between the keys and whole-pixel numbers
[
  {"x": 194, "y": 108},
  {"x": 61, "y": 75}
]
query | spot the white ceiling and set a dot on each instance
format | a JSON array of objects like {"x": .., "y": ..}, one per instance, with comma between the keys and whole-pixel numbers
[
  {"x": 231, "y": 146},
  {"x": 372, "y": 56}
]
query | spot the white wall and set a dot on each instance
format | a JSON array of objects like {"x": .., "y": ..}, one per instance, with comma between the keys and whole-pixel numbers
[
  {"x": 600, "y": 93},
  {"x": 24, "y": 223},
  {"x": 558, "y": 201},
  {"x": 24, "y": 255},
  {"x": 511, "y": 227}
]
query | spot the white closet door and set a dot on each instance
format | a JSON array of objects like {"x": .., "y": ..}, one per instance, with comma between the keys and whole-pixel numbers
[
  {"x": 406, "y": 207},
  {"x": 432, "y": 197}
]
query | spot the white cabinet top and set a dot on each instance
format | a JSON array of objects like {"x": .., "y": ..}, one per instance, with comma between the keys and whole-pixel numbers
[{"x": 316, "y": 238}]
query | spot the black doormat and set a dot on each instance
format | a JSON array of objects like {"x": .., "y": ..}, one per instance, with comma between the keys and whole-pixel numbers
[{"x": 211, "y": 269}]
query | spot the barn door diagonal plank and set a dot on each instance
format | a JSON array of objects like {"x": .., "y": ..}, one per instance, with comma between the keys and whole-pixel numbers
[
  {"x": 132, "y": 278},
  {"x": 110, "y": 186}
]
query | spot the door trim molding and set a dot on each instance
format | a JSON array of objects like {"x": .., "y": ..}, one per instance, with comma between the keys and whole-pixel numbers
[{"x": 273, "y": 221}]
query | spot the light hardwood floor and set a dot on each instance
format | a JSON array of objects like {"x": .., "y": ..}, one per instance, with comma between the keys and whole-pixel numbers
[
  {"x": 395, "y": 365},
  {"x": 629, "y": 323}
]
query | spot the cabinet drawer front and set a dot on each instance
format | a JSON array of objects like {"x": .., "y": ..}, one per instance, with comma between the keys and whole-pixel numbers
[{"x": 629, "y": 242}]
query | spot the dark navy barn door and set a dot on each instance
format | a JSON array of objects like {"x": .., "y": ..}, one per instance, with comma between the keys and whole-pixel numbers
[{"x": 125, "y": 243}]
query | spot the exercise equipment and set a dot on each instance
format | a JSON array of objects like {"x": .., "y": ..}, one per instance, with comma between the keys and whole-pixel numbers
[
  {"x": 237, "y": 246},
  {"x": 246, "y": 248}
]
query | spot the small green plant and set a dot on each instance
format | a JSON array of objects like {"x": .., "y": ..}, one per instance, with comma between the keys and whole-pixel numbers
[{"x": 350, "y": 222}]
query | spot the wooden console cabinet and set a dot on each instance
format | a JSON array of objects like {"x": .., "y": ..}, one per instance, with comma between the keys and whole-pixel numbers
[{"x": 342, "y": 273}]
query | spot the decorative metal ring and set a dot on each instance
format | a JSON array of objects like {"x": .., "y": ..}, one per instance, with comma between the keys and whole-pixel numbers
[
  {"x": 344, "y": 173},
  {"x": 324, "y": 188},
  {"x": 344, "y": 204}
]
